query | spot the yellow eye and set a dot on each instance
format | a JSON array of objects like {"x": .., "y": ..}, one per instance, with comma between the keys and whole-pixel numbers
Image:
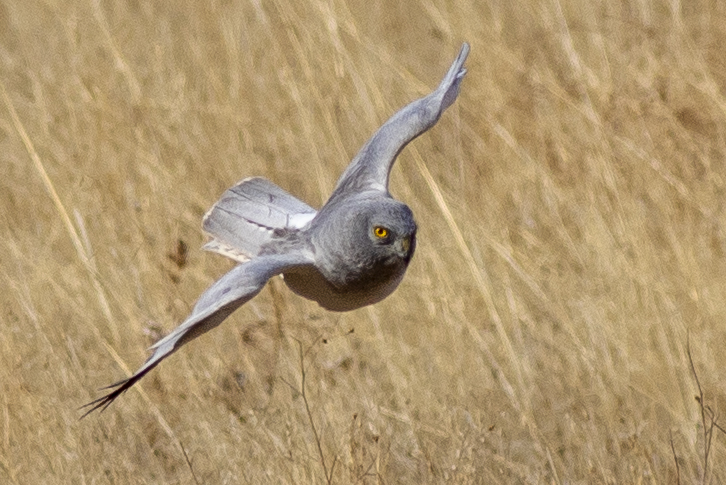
[{"x": 380, "y": 232}]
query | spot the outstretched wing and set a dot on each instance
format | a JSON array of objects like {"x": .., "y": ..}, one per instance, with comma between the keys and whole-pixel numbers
[
  {"x": 245, "y": 217},
  {"x": 231, "y": 291},
  {"x": 370, "y": 168}
]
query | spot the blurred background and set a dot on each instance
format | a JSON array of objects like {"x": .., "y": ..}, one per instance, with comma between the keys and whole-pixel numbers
[{"x": 562, "y": 321}]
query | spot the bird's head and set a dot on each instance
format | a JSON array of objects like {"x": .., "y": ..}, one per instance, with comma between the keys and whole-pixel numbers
[
  {"x": 373, "y": 238},
  {"x": 391, "y": 232}
]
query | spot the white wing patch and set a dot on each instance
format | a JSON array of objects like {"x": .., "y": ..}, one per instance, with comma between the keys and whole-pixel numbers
[
  {"x": 219, "y": 247},
  {"x": 298, "y": 221}
]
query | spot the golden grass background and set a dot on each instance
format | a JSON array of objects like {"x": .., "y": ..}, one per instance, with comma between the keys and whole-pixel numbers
[{"x": 571, "y": 242}]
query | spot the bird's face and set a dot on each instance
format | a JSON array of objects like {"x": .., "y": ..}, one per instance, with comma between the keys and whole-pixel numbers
[
  {"x": 392, "y": 235},
  {"x": 374, "y": 240}
]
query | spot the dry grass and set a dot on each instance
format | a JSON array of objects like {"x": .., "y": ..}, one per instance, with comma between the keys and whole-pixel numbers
[{"x": 571, "y": 210}]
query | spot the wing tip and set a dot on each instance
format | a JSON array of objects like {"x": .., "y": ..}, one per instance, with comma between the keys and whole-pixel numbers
[
  {"x": 458, "y": 64},
  {"x": 464, "y": 52},
  {"x": 118, "y": 388},
  {"x": 105, "y": 401}
]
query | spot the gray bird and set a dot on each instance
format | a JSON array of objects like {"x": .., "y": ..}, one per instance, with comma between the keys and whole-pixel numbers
[{"x": 351, "y": 253}]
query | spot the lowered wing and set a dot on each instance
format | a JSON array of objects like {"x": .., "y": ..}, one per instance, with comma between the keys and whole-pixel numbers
[{"x": 227, "y": 294}]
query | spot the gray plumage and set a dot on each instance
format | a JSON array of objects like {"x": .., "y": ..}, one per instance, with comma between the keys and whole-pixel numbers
[{"x": 351, "y": 253}]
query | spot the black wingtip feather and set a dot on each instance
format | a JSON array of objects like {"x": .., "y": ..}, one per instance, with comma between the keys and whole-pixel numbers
[{"x": 105, "y": 401}]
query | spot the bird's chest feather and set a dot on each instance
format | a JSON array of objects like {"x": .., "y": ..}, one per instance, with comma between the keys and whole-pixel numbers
[{"x": 359, "y": 286}]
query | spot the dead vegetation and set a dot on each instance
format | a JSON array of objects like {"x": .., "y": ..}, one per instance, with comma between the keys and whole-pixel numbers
[{"x": 571, "y": 243}]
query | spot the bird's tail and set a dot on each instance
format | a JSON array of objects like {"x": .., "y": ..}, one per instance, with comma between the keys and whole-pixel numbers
[{"x": 245, "y": 217}]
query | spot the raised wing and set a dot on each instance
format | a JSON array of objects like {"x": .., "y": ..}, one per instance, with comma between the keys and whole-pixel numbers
[
  {"x": 230, "y": 292},
  {"x": 370, "y": 168},
  {"x": 245, "y": 217}
]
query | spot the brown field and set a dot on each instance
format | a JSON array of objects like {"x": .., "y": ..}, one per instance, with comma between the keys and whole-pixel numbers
[{"x": 571, "y": 242}]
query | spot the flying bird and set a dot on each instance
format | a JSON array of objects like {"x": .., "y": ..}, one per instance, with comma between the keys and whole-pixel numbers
[{"x": 351, "y": 253}]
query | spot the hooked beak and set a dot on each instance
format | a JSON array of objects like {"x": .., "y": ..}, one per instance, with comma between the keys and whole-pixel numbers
[{"x": 406, "y": 246}]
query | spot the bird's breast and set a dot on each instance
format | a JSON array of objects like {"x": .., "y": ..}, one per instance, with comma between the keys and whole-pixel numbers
[{"x": 345, "y": 294}]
